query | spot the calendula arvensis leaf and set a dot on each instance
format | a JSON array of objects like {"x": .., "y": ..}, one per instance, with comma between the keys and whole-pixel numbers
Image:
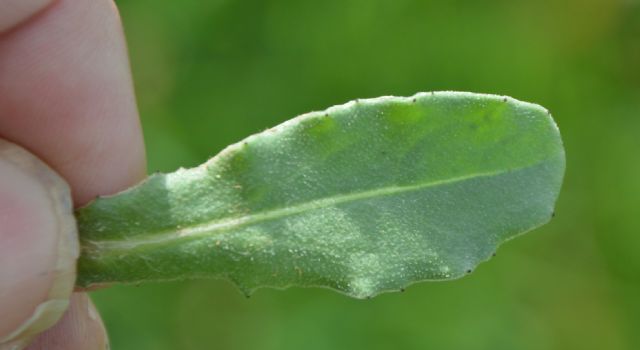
[{"x": 363, "y": 198}]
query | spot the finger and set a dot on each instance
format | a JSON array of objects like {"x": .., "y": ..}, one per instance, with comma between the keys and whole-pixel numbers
[
  {"x": 39, "y": 246},
  {"x": 79, "y": 329},
  {"x": 14, "y": 12},
  {"x": 66, "y": 95}
]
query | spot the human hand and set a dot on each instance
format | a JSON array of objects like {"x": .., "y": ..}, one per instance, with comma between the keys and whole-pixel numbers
[{"x": 66, "y": 96}]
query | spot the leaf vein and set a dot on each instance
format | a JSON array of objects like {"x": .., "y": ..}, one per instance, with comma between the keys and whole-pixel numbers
[{"x": 218, "y": 226}]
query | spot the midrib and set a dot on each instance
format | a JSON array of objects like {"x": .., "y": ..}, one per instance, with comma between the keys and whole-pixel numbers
[{"x": 210, "y": 228}]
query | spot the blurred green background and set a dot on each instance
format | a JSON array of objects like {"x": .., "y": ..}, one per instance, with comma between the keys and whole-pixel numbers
[{"x": 210, "y": 72}]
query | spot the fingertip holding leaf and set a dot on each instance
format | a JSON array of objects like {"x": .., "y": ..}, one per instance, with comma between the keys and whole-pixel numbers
[
  {"x": 39, "y": 242},
  {"x": 365, "y": 197}
]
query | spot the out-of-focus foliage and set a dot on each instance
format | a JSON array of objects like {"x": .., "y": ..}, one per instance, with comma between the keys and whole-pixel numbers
[{"x": 209, "y": 73}]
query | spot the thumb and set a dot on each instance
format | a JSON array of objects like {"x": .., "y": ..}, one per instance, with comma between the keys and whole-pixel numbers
[{"x": 38, "y": 246}]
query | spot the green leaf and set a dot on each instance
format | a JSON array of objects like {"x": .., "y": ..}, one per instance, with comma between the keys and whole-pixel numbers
[{"x": 363, "y": 198}]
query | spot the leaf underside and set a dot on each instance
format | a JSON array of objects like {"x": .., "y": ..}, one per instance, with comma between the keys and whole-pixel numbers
[{"x": 363, "y": 198}]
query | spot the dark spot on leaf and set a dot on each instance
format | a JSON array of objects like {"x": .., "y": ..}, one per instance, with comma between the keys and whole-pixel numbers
[
  {"x": 504, "y": 99},
  {"x": 414, "y": 100},
  {"x": 402, "y": 290},
  {"x": 469, "y": 271},
  {"x": 553, "y": 214},
  {"x": 494, "y": 254}
]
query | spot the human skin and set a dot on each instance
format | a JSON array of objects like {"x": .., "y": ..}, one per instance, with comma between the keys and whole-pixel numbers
[{"x": 66, "y": 96}]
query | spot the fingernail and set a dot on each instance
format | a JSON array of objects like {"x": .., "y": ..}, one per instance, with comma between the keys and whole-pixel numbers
[
  {"x": 14, "y": 12},
  {"x": 38, "y": 246},
  {"x": 79, "y": 328}
]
